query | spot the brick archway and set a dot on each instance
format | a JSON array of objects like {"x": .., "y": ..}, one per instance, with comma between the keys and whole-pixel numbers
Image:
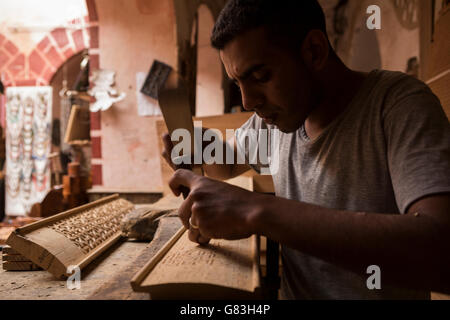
[
  {"x": 55, "y": 49},
  {"x": 9, "y": 58},
  {"x": 38, "y": 67}
]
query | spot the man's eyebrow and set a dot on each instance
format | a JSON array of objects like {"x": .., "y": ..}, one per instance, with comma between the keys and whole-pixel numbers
[{"x": 250, "y": 70}]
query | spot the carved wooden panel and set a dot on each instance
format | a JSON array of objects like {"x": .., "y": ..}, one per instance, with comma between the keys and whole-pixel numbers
[{"x": 72, "y": 238}]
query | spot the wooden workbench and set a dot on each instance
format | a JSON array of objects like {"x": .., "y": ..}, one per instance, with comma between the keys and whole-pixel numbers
[{"x": 108, "y": 277}]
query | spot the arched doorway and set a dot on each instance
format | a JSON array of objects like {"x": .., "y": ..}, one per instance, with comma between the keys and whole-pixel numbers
[{"x": 68, "y": 81}]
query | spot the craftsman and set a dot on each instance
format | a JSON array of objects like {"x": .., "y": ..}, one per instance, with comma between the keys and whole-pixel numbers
[{"x": 364, "y": 174}]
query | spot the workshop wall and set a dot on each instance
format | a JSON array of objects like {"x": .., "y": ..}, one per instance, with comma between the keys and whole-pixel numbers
[
  {"x": 435, "y": 50},
  {"x": 132, "y": 34},
  {"x": 389, "y": 48}
]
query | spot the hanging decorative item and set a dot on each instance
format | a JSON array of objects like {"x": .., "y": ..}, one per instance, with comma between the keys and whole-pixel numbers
[
  {"x": 103, "y": 91},
  {"x": 28, "y": 143},
  {"x": 65, "y": 105}
]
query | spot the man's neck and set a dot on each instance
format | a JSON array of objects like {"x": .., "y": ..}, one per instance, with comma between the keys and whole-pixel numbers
[{"x": 339, "y": 87}]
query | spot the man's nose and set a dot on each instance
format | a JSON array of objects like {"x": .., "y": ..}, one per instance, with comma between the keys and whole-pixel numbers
[{"x": 251, "y": 99}]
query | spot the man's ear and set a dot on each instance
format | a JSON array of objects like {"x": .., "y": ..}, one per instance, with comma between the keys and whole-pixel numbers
[{"x": 315, "y": 50}]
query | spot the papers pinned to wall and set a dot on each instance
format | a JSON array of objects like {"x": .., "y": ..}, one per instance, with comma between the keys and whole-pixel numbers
[{"x": 147, "y": 106}]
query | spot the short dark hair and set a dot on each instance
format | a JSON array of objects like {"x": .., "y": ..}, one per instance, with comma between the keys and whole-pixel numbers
[{"x": 292, "y": 19}]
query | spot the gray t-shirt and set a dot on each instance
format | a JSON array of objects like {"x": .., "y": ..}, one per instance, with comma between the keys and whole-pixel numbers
[{"x": 389, "y": 148}]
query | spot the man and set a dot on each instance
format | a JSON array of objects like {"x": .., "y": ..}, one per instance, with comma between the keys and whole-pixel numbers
[{"x": 364, "y": 162}]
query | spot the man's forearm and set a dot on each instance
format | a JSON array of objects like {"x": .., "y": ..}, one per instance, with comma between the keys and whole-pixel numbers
[
  {"x": 411, "y": 250},
  {"x": 225, "y": 171},
  {"x": 218, "y": 171}
]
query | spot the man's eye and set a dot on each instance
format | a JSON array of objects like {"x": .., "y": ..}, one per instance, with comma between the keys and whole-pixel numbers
[{"x": 262, "y": 77}]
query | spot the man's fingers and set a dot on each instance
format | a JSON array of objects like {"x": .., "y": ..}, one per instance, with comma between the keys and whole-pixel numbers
[
  {"x": 168, "y": 146},
  {"x": 195, "y": 236},
  {"x": 180, "y": 178},
  {"x": 166, "y": 157},
  {"x": 203, "y": 240},
  {"x": 190, "y": 223},
  {"x": 195, "y": 233},
  {"x": 184, "y": 212},
  {"x": 167, "y": 141}
]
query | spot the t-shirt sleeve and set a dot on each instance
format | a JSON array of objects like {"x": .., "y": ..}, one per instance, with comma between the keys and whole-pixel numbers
[{"x": 418, "y": 141}]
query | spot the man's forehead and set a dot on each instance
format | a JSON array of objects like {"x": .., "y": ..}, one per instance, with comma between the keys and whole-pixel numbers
[{"x": 245, "y": 51}]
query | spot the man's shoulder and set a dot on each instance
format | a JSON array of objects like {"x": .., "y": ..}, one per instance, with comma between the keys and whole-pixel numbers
[
  {"x": 396, "y": 85},
  {"x": 397, "y": 90}
]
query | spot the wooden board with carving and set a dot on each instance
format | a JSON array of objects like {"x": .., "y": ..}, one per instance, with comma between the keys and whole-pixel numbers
[
  {"x": 13, "y": 261},
  {"x": 20, "y": 266},
  {"x": 72, "y": 238},
  {"x": 221, "y": 270},
  {"x": 118, "y": 287},
  {"x": 4, "y": 233}
]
